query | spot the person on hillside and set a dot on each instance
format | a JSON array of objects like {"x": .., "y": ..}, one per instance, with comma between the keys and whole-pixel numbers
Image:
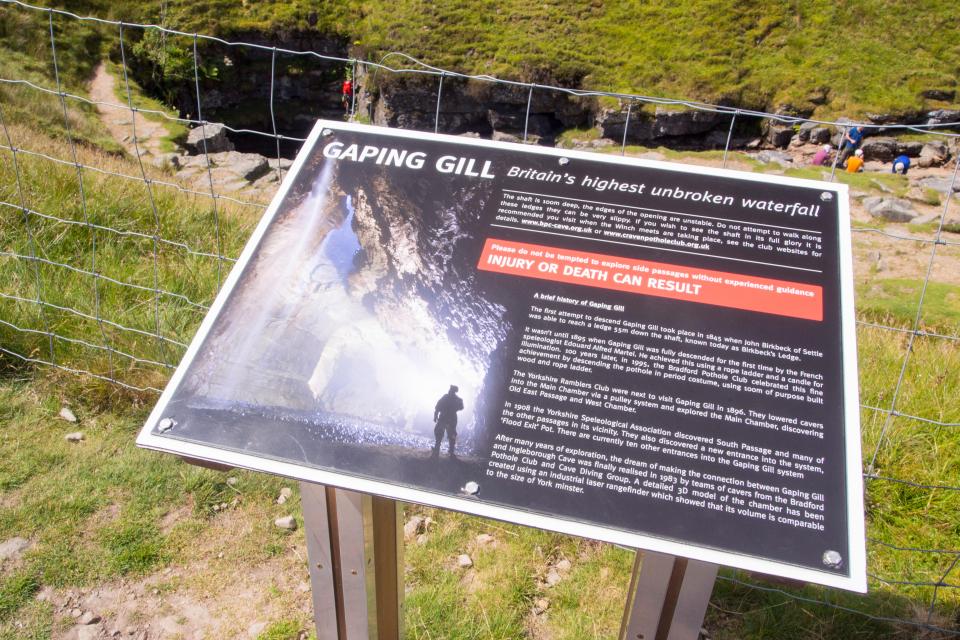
[
  {"x": 855, "y": 163},
  {"x": 822, "y": 156},
  {"x": 851, "y": 142},
  {"x": 445, "y": 417},
  {"x": 346, "y": 94},
  {"x": 901, "y": 164}
]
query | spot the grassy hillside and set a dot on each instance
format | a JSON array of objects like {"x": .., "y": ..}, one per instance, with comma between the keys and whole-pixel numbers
[{"x": 816, "y": 57}]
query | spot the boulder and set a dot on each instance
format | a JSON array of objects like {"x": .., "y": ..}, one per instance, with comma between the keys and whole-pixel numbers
[
  {"x": 820, "y": 135},
  {"x": 803, "y": 134},
  {"x": 214, "y": 134},
  {"x": 943, "y": 116},
  {"x": 891, "y": 209},
  {"x": 910, "y": 148},
  {"x": 939, "y": 184},
  {"x": 778, "y": 135},
  {"x": 248, "y": 166},
  {"x": 933, "y": 154},
  {"x": 881, "y": 149}
]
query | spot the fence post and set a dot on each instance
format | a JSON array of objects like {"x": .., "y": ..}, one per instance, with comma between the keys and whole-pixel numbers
[{"x": 668, "y": 597}]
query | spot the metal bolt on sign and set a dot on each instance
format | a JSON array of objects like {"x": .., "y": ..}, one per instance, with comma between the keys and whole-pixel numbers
[
  {"x": 166, "y": 424},
  {"x": 832, "y": 558}
]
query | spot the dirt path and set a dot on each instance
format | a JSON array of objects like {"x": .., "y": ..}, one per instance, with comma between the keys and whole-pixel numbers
[{"x": 116, "y": 117}]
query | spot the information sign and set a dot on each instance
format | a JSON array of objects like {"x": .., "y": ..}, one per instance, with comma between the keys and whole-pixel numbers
[{"x": 651, "y": 354}]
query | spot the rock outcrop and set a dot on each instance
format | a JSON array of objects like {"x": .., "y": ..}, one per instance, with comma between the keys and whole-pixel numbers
[
  {"x": 891, "y": 209},
  {"x": 209, "y": 138},
  {"x": 661, "y": 126}
]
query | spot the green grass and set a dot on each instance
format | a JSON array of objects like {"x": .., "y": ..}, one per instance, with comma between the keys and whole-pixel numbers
[
  {"x": 895, "y": 300},
  {"x": 94, "y": 510}
]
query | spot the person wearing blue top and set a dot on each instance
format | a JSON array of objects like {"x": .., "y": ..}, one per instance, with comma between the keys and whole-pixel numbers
[
  {"x": 850, "y": 143},
  {"x": 900, "y": 165}
]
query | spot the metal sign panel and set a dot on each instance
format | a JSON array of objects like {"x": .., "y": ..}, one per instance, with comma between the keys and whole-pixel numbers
[{"x": 656, "y": 355}]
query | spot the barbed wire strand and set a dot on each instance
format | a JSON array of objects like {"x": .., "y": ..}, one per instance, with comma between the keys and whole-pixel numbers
[
  {"x": 117, "y": 174},
  {"x": 87, "y": 316}
]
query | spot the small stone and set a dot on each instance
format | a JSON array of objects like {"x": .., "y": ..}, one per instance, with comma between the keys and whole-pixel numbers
[
  {"x": 484, "y": 539},
  {"x": 82, "y": 632},
  {"x": 223, "y": 506},
  {"x": 412, "y": 527},
  {"x": 285, "y": 494},
  {"x": 553, "y": 578},
  {"x": 287, "y": 522},
  {"x": 464, "y": 561},
  {"x": 89, "y": 617},
  {"x": 422, "y": 538},
  {"x": 540, "y": 605},
  {"x": 427, "y": 522},
  {"x": 231, "y": 481},
  {"x": 13, "y": 548},
  {"x": 67, "y": 414},
  {"x": 76, "y": 436},
  {"x": 76, "y": 613},
  {"x": 220, "y": 556},
  {"x": 704, "y": 634},
  {"x": 775, "y": 157},
  {"x": 563, "y": 566},
  {"x": 282, "y": 500},
  {"x": 156, "y": 592}
]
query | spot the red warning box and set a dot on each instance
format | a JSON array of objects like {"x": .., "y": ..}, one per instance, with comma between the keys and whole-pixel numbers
[{"x": 720, "y": 288}]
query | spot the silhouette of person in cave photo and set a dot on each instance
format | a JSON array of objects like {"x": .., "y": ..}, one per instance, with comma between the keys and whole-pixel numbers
[{"x": 445, "y": 417}]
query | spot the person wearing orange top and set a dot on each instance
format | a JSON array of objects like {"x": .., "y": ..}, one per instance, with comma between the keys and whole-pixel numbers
[{"x": 855, "y": 163}]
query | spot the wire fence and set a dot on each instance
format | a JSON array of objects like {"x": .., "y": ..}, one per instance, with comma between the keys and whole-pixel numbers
[{"x": 145, "y": 278}]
